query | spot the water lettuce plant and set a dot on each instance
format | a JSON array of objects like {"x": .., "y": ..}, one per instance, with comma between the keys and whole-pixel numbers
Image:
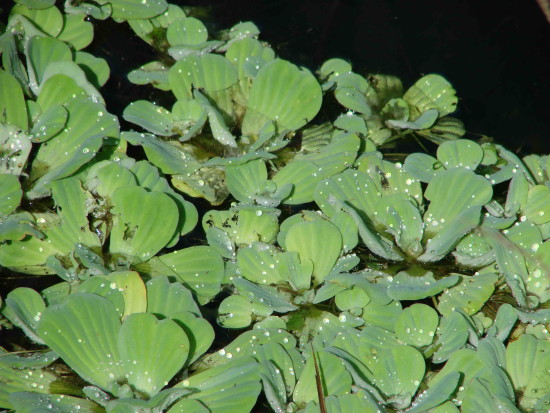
[{"x": 327, "y": 273}]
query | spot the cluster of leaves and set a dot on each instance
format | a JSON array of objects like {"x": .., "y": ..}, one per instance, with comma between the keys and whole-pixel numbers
[{"x": 419, "y": 285}]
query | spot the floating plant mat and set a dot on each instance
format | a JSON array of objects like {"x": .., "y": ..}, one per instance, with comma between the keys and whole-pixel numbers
[{"x": 222, "y": 248}]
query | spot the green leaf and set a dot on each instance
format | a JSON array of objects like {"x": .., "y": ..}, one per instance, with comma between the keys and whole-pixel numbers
[
  {"x": 452, "y": 335},
  {"x": 278, "y": 370},
  {"x": 450, "y": 234},
  {"x": 164, "y": 299},
  {"x": 74, "y": 71},
  {"x": 10, "y": 194},
  {"x": 170, "y": 159},
  {"x": 220, "y": 131},
  {"x": 152, "y": 351},
  {"x": 386, "y": 86},
  {"x": 474, "y": 251},
  {"x": 307, "y": 170},
  {"x": 245, "y": 224},
  {"x": 97, "y": 12},
  {"x": 12, "y": 63},
  {"x": 106, "y": 178},
  {"x": 536, "y": 283},
  {"x": 354, "y": 92},
  {"x": 464, "y": 361},
  {"x": 266, "y": 296},
  {"x": 382, "y": 315},
  {"x": 470, "y": 294},
  {"x": 186, "y": 31},
  {"x": 297, "y": 273},
  {"x": 511, "y": 262},
  {"x": 403, "y": 221},
  {"x": 154, "y": 73},
  {"x": 144, "y": 222},
  {"x": 76, "y": 144},
  {"x": 335, "y": 378},
  {"x": 200, "y": 268},
  {"x": 27, "y": 256},
  {"x": 89, "y": 348},
  {"x": 145, "y": 28},
  {"x": 15, "y": 148},
  {"x": 97, "y": 69},
  {"x": 148, "y": 177},
  {"x": 318, "y": 241},
  {"x": 244, "y": 53},
  {"x": 243, "y": 30},
  {"x": 492, "y": 352},
  {"x": 41, "y": 51},
  {"x": 71, "y": 199},
  {"x": 13, "y": 110},
  {"x": 351, "y": 298},
  {"x": 461, "y": 153},
  {"x": 235, "y": 311},
  {"x": 525, "y": 235},
  {"x": 199, "y": 332},
  {"x": 491, "y": 389},
  {"x": 36, "y": 4},
  {"x": 246, "y": 181},
  {"x": 444, "y": 129},
  {"x": 133, "y": 291},
  {"x": 16, "y": 376},
  {"x": 397, "y": 110},
  {"x": 432, "y": 92},
  {"x": 151, "y": 117},
  {"x": 259, "y": 263},
  {"x": 49, "y": 124},
  {"x": 517, "y": 194},
  {"x": 399, "y": 371},
  {"x": 248, "y": 342},
  {"x": 18, "y": 226},
  {"x": 355, "y": 193},
  {"x": 537, "y": 208},
  {"x": 451, "y": 192},
  {"x": 353, "y": 100},
  {"x": 436, "y": 394},
  {"x": 30, "y": 402},
  {"x": 334, "y": 67},
  {"x": 282, "y": 93},
  {"x": 504, "y": 322},
  {"x": 76, "y": 31},
  {"x": 24, "y": 307},
  {"x": 229, "y": 388},
  {"x": 129, "y": 9},
  {"x": 209, "y": 72},
  {"x": 351, "y": 123},
  {"x": 101, "y": 287},
  {"x": 422, "y": 166},
  {"x": 390, "y": 178},
  {"x": 48, "y": 20},
  {"x": 416, "y": 325},
  {"x": 188, "y": 406},
  {"x": 405, "y": 286},
  {"x": 206, "y": 182},
  {"x": 456, "y": 196},
  {"x": 345, "y": 224},
  {"x": 273, "y": 385},
  {"x": 59, "y": 90},
  {"x": 528, "y": 365}
]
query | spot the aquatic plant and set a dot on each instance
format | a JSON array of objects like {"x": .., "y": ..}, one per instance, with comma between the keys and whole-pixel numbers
[{"x": 331, "y": 273}]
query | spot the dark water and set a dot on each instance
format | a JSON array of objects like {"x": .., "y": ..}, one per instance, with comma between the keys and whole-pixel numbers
[{"x": 495, "y": 53}]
